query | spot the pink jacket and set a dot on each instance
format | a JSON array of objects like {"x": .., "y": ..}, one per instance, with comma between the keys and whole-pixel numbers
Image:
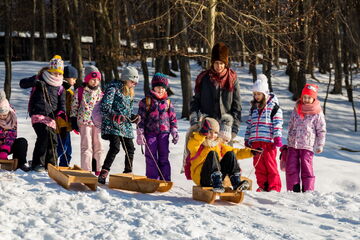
[{"x": 307, "y": 133}]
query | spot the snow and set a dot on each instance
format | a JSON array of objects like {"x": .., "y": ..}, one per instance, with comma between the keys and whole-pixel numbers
[{"x": 33, "y": 206}]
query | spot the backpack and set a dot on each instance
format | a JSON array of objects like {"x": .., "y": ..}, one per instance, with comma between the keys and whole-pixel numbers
[{"x": 273, "y": 111}]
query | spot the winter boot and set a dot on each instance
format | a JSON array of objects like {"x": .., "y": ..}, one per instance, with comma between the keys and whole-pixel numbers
[
  {"x": 237, "y": 184},
  {"x": 296, "y": 188},
  {"x": 216, "y": 179},
  {"x": 103, "y": 175}
]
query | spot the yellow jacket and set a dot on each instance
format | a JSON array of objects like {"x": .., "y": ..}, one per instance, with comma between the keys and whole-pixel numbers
[{"x": 193, "y": 146}]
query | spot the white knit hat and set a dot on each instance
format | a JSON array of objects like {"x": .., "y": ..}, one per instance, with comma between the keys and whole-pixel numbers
[
  {"x": 4, "y": 103},
  {"x": 130, "y": 73},
  {"x": 261, "y": 84},
  {"x": 226, "y": 123}
]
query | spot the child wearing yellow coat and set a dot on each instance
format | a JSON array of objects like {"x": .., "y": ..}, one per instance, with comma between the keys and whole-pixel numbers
[{"x": 211, "y": 159}]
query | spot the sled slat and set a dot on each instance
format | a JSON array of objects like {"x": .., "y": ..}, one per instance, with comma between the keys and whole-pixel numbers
[
  {"x": 205, "y": 194},
  {"x": 9, "y": 164}
]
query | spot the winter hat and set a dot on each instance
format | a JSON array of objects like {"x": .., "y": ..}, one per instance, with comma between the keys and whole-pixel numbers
[
  {"x": 220, "y": 52},
  {"x": 130, "y": 73},
  {"x": 56, "y": 64},
  {"x": 4, "y": 103},
  {"x": 70, "y": 72},
  {"x": 91, "y": 72},
  {"x": 214, "y": 124},
  {"x": 159, "y": 79},
  {"x": 261, "y": 84},
  {"x": 226, "y": 123},
  {"x": 311, "y": 90}
]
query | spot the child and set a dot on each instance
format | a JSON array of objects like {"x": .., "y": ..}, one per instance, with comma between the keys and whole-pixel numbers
[
  {"x": 263, "y": 130},
  {"x": 158, "y": 121},
  {"x": 117, "y": 109},
  {"x": 82, "y": 108},
  {"x": 9, "y": 144},
  {"x": 211, "y": 159},
  {"x": 63, "y": 129},
  {"x": 47, "y": 102},
  {"x": 307, "y": 130}
]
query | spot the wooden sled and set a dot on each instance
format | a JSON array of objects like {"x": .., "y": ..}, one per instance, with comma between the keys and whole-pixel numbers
[
  {"x": 65, "y": 176},
  {"x": 205, "y": 194},
  {"x": 142, "y": 184},
  {"x": 9, "y": 164}
]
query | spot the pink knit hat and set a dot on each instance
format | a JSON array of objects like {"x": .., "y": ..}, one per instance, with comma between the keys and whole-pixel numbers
[{"x": 4, "y": 103}]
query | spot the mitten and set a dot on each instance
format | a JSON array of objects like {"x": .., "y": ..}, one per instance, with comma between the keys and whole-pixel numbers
[
  {"x": 257, "y": 151},
  {"x": 319, "y": 150},
  {"x": 140, "y": 139},
  {"x": 205, "y": 128},
  {"x": 278, "y": 142},
  {"x": 118, "y": 118},
  {"x": 135, "y": 118},
  {"x": 4, "y": 155},
  {"x": 175, "y": 136},
  {"x": 74, "y": 124}
]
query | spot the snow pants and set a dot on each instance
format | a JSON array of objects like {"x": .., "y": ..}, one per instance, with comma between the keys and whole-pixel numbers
[
  {"x": 300, "y": 163},
  {"x": 114, "y": 149},
  {"x": 19, "y": 150},
  {"x": 228, "y": 166},
  {"x": 64, "y": 150},
  {"x": 266, "y": 169},
  {"x": 91, "y": 147},
  {"x": 45, "y": 146},
  {"x": 157, "y": 156}
]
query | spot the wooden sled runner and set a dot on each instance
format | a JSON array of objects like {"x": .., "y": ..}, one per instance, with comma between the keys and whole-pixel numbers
[
  {"x": 65, "y": 176},
  {"x": 142, "y": 184},
  {"x": 205, "y": 194},
  {"x": 9, "y": 164}
]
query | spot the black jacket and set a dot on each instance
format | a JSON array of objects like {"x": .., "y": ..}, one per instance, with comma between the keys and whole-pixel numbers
[
  {"x": 45, "y": 99},
  {"x": 215, "y": 102}
]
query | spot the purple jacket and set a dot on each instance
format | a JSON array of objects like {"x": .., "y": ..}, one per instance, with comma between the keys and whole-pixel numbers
[
  {"x": 307, "y": 133},
  {"x": 159, "y": 118}
]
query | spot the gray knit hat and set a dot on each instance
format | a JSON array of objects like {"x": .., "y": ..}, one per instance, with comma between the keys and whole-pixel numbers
[{"x": 130, "y": 73}]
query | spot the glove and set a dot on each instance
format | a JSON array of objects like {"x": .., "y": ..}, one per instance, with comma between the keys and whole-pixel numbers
[
  {"x": 175, "y": 136},
  {"x": 62, "y": 114},
  {"x": 135, "y": 118},
  {"x": 119, "y": 118},
  {"x": 278, "y": 142},
  {"x": 247, "y": 144},
  {"x": 205, "y": 128},
  {"x": 140, "y": 139},
  {"x": 319, "y": 150},
  {"x": 257, "y": 151},
  {"x": 4, "y": 155},
  {"x": 74, "y": 124}
]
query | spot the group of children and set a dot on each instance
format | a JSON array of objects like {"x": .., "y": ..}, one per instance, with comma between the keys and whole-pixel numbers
[{"x": 56, "y": 110}]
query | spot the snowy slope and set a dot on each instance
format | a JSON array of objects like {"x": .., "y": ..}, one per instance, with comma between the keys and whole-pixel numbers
[{"x": 34, "y": 207}]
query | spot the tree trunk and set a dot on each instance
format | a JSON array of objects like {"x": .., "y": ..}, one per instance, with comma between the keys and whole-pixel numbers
[
  {"x": 32, "y": 38},
  {"x": 45, "y": 56},
  {"x": 60, "y": 28},
  {"x": 8, "y": 48},
  {"x": 337, "y": 54},
  {"x": 185, "y": 73},
  {"x": 211, "y": 17}
]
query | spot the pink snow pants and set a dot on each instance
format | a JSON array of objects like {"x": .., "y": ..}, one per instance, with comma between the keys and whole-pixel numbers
[
  {"x": 266, "y": 169},
  {"x": 90, "y": 147},
  {"x": 300, "y": 163}
]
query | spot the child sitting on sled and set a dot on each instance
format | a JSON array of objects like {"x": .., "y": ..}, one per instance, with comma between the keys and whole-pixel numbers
[
  {"x": 307, "y": 130},
  {"x": 9, "y": 144},
  {"x": 211, "y": 159},
  {"x": 158, "y": 121}
]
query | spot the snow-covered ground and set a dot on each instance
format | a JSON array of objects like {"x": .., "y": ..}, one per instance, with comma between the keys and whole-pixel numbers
[{"x": 33, "y": 206}]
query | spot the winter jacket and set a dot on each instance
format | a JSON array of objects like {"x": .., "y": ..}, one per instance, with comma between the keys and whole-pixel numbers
[
  {"x": 115, "y": 103},
  {"x": 61, "y": 123},
  {"x": 83, "y": 110},
  {"x": 159, "y": 118},
  {"x": 38, "y": 103},
  {"x": 215, "y": 102},
  {"x": 260, "y": 126},
  {"x": 194, "y": 143},
  {"x": 307, "y": 133}
]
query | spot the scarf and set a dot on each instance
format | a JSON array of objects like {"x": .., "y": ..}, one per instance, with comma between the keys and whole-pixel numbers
[
  {"x": 164, "y": 96},
  {"x": 10, "y": 122},
  {"x": 305, "y": 109},
  {"x": 52, "y": 80},
  {"x": 225, "y": 79}
]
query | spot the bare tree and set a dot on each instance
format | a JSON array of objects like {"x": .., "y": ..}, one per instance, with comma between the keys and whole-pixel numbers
[{"x": 8, "y": 47}]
